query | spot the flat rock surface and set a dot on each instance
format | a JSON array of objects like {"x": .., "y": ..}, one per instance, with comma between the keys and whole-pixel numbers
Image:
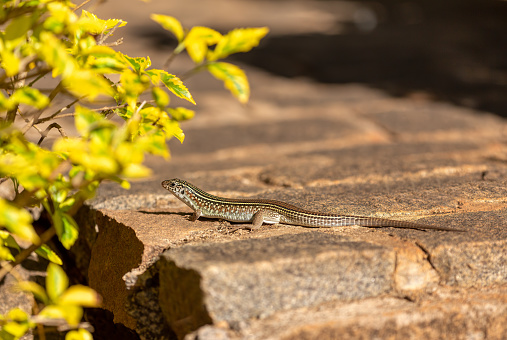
[{"x": 400, "y": 150}]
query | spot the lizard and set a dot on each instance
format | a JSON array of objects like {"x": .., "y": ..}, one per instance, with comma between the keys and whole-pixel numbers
[{"x": 259, "y": 211}]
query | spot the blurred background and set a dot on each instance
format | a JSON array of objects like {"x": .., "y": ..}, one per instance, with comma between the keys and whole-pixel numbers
[{"x": 453, "y": 51}]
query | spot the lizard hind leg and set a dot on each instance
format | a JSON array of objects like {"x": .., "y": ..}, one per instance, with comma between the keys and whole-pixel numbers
[{"x": 264, "y": 216}]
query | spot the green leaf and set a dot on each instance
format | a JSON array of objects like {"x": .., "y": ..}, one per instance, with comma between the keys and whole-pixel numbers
[
  {"x": 233, "y": 77},
  {"x": 171, "y": 24},
  {"x": 46, "y": 252},
  {"x": 198, "y": 40},
  {"x": 80, "y": 295},
  {"x": 238, "y": 40},
  {"x": 30, "y": 96},
  {"x": 79, "y": 334},
  {"x": 56, "y": 281}
]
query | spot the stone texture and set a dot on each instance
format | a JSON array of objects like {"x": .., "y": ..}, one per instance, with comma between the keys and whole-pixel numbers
[
  {"x": 448, "y": 314},
  {"x": 239, "y": 280},
  {"x": 33, "y": 269}
]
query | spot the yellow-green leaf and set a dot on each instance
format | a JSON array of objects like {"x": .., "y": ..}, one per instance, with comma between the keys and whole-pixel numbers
[
  {"x": 160, "y": 96},
  {"x": 172, "y": 129},
  {"x": 233, "y": 77},
  {"x": 53, "y": 52},
  {"x": 79, "y": 334},
  {"x": 71, "y": 313},
  {"x": 92, "y": 24},
  {"x": 181, "y": 113},
  {"x": 95, "y": 156},
  {"x": 5, "y": 103},
  {"x": 155, "y": 144},
  {"x": 198, "y": 40},
  {"x": 238, "y": 40},
  {"x": 81, "y": 296},
  {"x": 17, "y": 314},
  {"x": 171, "y": 24},
  {"x": 138, "y": 64},
  {"x": 17, "y": 221},
  {"x": 133, "y": 170},
  {"x": 35, "y": 289},
  {"x": 13, "y": 330},
  {"x": 66, "y": 228},
  {"x": 56, "y": 281},
  {"x": 106, "y": 65},
  {"x": 30, "y": 96},
  {"x": 46, "y": 252},
  {"x": 61, "y": 15},
  {"x": 10, "y": 63},
  {"x": 87, "y": 83},
  {"x": 101, "y": 51},
  {"x": 16, "y": 31},
  {"x": 84, "y": 118},
  {"x": 132, "y": 85},
  {"x": 174, "y": 84},
  {"x": 8, "y": 240},
  {"x": 5, "y": 254}
]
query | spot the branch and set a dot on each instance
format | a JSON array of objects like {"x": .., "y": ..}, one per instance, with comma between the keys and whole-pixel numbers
[
  {"x": 51, "y": 126},
  {"x": 193, "y": 71},
  {"x": 55, "y": 91},
  {"x": 81, "y": 5},
  {"x": 103, "y": 36},
  {"x": 108, "y": 108},
  {"x": 116, "y": 43},
  {"x": 53, "y": 115}
]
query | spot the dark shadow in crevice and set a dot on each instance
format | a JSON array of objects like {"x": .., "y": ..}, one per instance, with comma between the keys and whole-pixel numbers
[{"x": 453, "y": 51}]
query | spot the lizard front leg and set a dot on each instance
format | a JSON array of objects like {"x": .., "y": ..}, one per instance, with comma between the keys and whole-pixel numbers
[{"x": 196, "y": 215}]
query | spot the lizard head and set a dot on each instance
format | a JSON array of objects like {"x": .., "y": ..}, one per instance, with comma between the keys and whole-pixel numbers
[{"x": 179, "y": 188}]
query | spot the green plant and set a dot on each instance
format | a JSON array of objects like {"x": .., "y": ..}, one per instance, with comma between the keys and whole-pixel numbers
[{"x": 48, "y": 38}]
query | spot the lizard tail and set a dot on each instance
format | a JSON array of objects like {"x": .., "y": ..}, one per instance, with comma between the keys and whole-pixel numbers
[{"x": 381, "y": 222}]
